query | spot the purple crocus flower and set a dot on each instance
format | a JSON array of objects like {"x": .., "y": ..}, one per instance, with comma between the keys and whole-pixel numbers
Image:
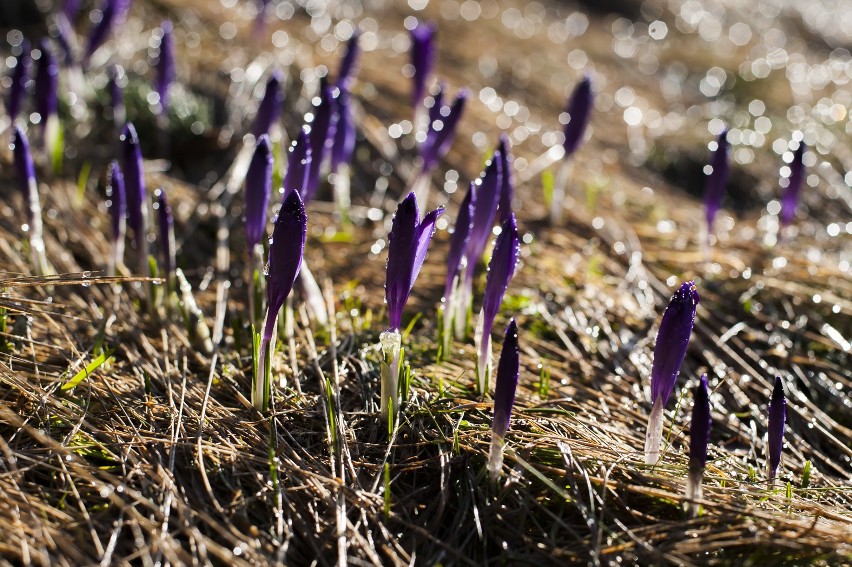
[
  {"x": 167, "y": 233},
  {"x": 443, "y": 121},
  {"x": 270, "y": 105},
  {"x": 118, "y": 213},
  {"x": 47, "y": 83},
  {"x": 669, "y": 352},
  {"x": 422, "y": 59},
  {"x": 165, "y": 66},
  {"x": 286, "y": 250},
  {"x": 717, "y": 180},
  {"x": 458, "y": 244},
  {"x": 579, "y": 112},
  {"x": 17, "y": 90},
  {"x": 29, "y": 188},
  {"x": 349, "y": 63},
  {"x": 137, "y": 209},
  {"x": 794, "y": 186},
  {"x": 507, "y": 192},
  {"x": 344, "y": 138},
  {"x": 699, "y": 438},
  {"x": 323, "y": 128},
  {"x": 258, "y": 188},
  {"x": 508, "y": 372},
  {"x": 298, "y": 165},
  {"x": 507, "y": 250},
  {"x": 777, "y": 420},
  {"x": 111, "y": 11}
]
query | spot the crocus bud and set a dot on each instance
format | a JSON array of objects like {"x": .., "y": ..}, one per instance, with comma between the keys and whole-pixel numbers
[
  {"x": 422, "y": 59},
  {"x": 699, "y": 438},
  {"x": 165, "y": 66},
  {"x": 669, "y": 352},
  {"x": 20, "y": 75},
  {"x": 441, "y": 130},
  {"x": 458, "y": 243},
  {"x": 777, "y": 420},
  {"x": 47, "y": 83},
  {"x": 137, "y": 208},
  {"x": 323, "y": 128},
  {"x": 507, "y": 192},
  {"x": 792, "y": 194},
  {"x": 167, "y": 232},
  {"x": 298, "y": 165},
  {"x": 258, "y": 188},
  {"x": 344, "y": 138},
  {"x": 118, "y": 213},
  {"x": 717, "y": 180},
  {"x": 508, "y": 371},
  {"x": 270, "y": 105},
  {"x": 349, "y": 63},
  {"x": 29, "y": 188},
  {"x": 579, "y": 112},
  {"x": 111, "y": 11}
]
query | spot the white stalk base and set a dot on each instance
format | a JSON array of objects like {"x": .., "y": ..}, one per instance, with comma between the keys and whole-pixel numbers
[
  {"x": 654, "y": 435},
  {"x": 391, "y": 343}
]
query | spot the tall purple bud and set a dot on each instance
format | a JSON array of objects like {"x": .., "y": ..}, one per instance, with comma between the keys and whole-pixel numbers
[
  {"x": 18, "y": 88},
  {"x": 717, "y": 180},
  {"x": 699, "y": 438},
  {"x": 777, "y": 420},
  {"x": 47, "y": 83},
  {"x": 258, "y": 188},
  {"x": 579, "y": 112},
  {"x": 349, "y": 63},
  {"x": 794, "y": 186},
  {"x": 508, "y": 372},
  {"x": 111, "y": 11},
  {"x": 669, "y": 352},
  {"x": 443, "y": 123},
  {"x": 344, "y": 138},
  {"x": 408, "y": 243},
  {"x": 29, "y": 188},
  {"x": 507, "y": 193},
  {"x": 165, "y": 66},
  {"x": 118, "y": 213},
  {"x": 286, "y": 250},
  {"x": 323, "y": 128},
  {"x": 137, "y": 208},
  {"x": 455, "y": 263},
  {"x": 270, "y": 105},
  {"x": 500, "y": 271},
  {"x": 422, "y": 59},
  {"x": 298, "y": 165},
  {"x": 167, "y": 233}
]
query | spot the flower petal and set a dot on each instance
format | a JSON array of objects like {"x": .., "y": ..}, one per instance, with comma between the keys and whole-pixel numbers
[
  {"x": 672, "y": 340},
  {"x": 258, "y": 188}
]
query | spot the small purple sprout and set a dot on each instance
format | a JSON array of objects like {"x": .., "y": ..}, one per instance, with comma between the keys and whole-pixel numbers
[
  {"x": 792, "y": 195},
  {"x": 20, "y": 76},
  {"x": 422, "y": 59},
  {"x": 29, "y": 188},
  {"x": 47, "y": 84},
  {"x": 270, "y": 106},
  {"x": 455, "y": 264},
  {"x": 699, "y": 438},
  {"x": 508, "y": 372},
  {"x": 777, "y": 420},
  {"x": 118, "y": 213},
  {"x": 669, "y": 352},
  {"x": 167, "y": 234},
  {"x": 504, "y": 259},
  {"x": 137, "y": 209},
  {"x": 323, "y": 128},
  {"x": 717, "y": 180},
  {"x": 579, "y": 112},
  {"x": 298, "y": 166},
  {"x": 165, "y": 67},
  {"x": 349, "y": 62}
]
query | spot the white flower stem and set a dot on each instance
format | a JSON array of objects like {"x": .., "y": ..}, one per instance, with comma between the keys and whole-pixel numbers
[
  {"x": 462, "y": 297},
  {"x": 314, "y": 300},
  {"x": 482, "y": 340},
  {"x": 495, "y": 457},
  {"x": 693, "y": 491},
  {"x": 391, "y": 343},
  {"x": 421, "y": 188},
  {"x": 557, "y": 201},
  {"x": 654, "y": 435},
  {"x": 36, "y": 230},
  {"x": 341, "y": 191},
  {"x": 449, "y": 310}
]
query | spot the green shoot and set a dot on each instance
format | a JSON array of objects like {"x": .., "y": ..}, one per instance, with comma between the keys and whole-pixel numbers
[{"x": 91, "y": 367}]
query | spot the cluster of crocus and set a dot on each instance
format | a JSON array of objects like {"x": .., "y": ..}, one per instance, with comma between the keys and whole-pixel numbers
[
  {"x": 717, "y": 180},
  {"x": 579, "y": 112},
  {"x": 25, "y": 169},
  {"x": 408, "y": 243},
  {"x": 669, "y": 352},
  {"x": 699, "y": 439},
  {"x": 508, "y": 371},
  {"x": 775, "y": 436}
]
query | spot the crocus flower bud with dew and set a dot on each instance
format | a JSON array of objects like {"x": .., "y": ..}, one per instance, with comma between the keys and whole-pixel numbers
[
  {"x": 258, "y": 189},
  {"x": 342, "y": 150},
  {"x": 137, "y": 207},
  {"x": 669, "y": 352},
  {"x": 777, "y": 420},
  {"x": 717, "y": 180},
  {"x": 408, "y": 243},
  {"x": 20, "y": 76},
  {"x": 298, "y": 165},
  {"x": 286, "y": 250},
  {"x": 579, "y": 111},
  {"x": 46, "y": 97},
  {"x": 166, "y": 234},
  {"x": 455, "y": 263},
  {"x": 792, "y": 194},
  {"x": 508, "y": 371},
  {"x": 270, "y": 106},
  {"x": 699, "y": 438},
  {"x": 118, "y": 214},
  {"x": 422, "y": 60},
  {"x": 165, "y": 67},
  {"x": 323, "y": 128},
  {"x": 25, "y": 169},
  {"x": 500, "y": 271},
  {"x": 349, "y": 62}
]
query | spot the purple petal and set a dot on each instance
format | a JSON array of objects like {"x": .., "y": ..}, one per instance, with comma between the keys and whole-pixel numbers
[
  {"x": 422, "y": 59},
  {"x": 487, "y": 200},
  {"x": 322, "y": 132},
  {"x": 442, "y": 130},
  {"x": 402, "y": 246},
  {"x": 111, "y": 11},
  {"x": 507, "y": 250},
  {"x": 579, "y": 111},
  {"x": 70, "y": 9},
  {"x": 794, "y": 186},
  {"x": 258, "y": 188},
  {"x": 47, "y": 82},
  {"x": 118, "y": 208},
  {"x": 346, "y": 73},
  {"x": 717, "y": 180},
  {"x": 425, "y": 232},
  {"x": 507, "y": 192},
  {"x": 672, "y": 340},
  {"x": 270, "y": 106},
  {"x": 24, "y": 167},
  {"x": 134, "y": 181},
  {"x": 344, "y": 138},
  {"x": 699, "y": 429},
  {"x": 777, "y": 419},
  {"x": 298, "y": 166},
  {"x": 165, "y": 66},
  {"x": 508, "y": 371},
  {"x": 458, "y": 242},
  {"x": 286, "y": 249},
  {"x": 17, "y": 90},
  {"x": 167, "y": 234}
]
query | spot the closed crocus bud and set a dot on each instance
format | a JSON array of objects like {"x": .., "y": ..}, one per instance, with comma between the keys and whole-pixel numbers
[
  {"x": 344, "y": 138},
  {"x": 579, "y": 112},
  {"x": 792, "y": 194},
  {"x": 47, "y": 83},
  {"x": 167, "y": 233},
  {"x": 422, "y": 59},
  {"x": 777, "y": 420},
  {"x": 18, "y": 88},
  {"x": 118, "y": 213},
  {"x": 270, "y": 105},
  {"x": 26, "y": 178},
  {"x": 349, "y": 63},
  {"x": 699, "y": 438},
  {"x": 507, "y": 192},
  {"x": 441, "y": 130},
  {"x": 717, "y": 180},
  {"x": 669, "y": 352},
  {"x": 508, "y": 372},
  {"x": 137, "y": 208},
  {"x": 258, "y": 188},
  {"x": 323, "y": 128},
  {"x": 298, "y": 165},
  {"x": 500, "y": 271},
  {"x": 165, "y": 66}
]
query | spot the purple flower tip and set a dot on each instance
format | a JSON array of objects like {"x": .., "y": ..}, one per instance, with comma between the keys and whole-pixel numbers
[
  {"x": 47, "y": 82},
  {"x": 408, "y": 243},
  {"x": 118, "y": 207},
  {"x": 777, "y": 419},
  {"x": 579, "y": 112},
  {"x": 487, "y": 200},
  {"x": 443, "y": 122},
  {"x": 794, "y": 186},
  {"x": 459, "y": 239},
  {"x": 344, "y": 138},
  {"x": 346, "y": 73},
  {"x": 422, "y": 58},
  {"x": 270, "y": 105},
  {"x": 286, "y": 249},
  {"x": 298, "y": 166},
  {"x": 507, "y": 192},
  {"x": 165, "y": 65},
  {"x": 111, "y": 11},
  {"x": 23, "y": 160},
  {"x": 258, "y": 188},
  {"x": 166, "y": 224},
  {"x": 699, "y": 429},
  {"x": 508, "y": 371},
  {"x": 672, "y": 340},
  {"x": 134, "y": 180},
  {"x": 322, "y": 132},
  {"x": 17, "y": 90},
  {"x": 504, "y": 259},
  {"x": 717, "y": 180}
]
